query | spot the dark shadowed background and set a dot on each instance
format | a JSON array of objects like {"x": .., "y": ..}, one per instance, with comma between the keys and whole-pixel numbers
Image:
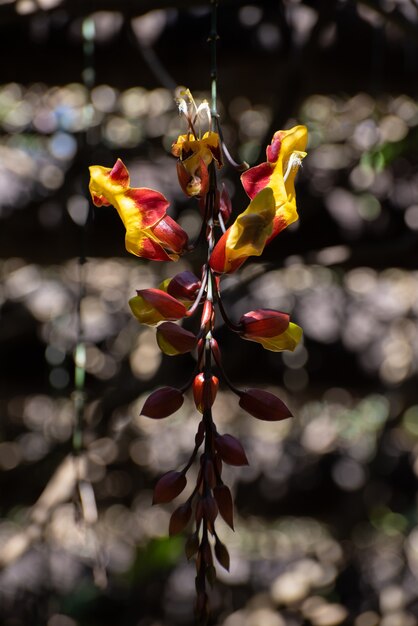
[{"x": 326, "y": 513}]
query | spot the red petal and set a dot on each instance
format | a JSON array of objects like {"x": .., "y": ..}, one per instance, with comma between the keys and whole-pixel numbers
[
  {"x": 149, "y": 249},
  {"x": 256, "y": 178},
  {"x": 217, "y": 258},
  {"x": 273, "y": 150},
  {"x": 169, "y": 307},
  {"x": 231, "y": 450},
  {"x": 223, "y": 498},
  {"x": 207, "y": 313},
  {"x": 183, "y": 176},
  {"x": 204, "y": 177},
  {"x": 214, "y": 346},
  {"x": 264, "y": 323},
  {"x": 99, "y": 200},
  {"x": 151, "y": 204},
  {"x": 169, "y": 487},
  {"x": 204, "y": 391},
  {"x": 170, "y": 234},
  {"x": 119, "y": 174},
  {"x": 279, "y": 224},
  {"x": 162, "y": 403},
  {"x": 184, "y": 285},
  {"x": 264, "y": 405}
]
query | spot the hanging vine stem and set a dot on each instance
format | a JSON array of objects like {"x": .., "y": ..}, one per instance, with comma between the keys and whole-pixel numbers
[
  {"x": 271, "y": 208},
  {"x": 213, "y": 40}
]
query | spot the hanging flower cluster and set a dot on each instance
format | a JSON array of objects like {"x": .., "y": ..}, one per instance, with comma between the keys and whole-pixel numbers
[{"x": 152, "y": 234}]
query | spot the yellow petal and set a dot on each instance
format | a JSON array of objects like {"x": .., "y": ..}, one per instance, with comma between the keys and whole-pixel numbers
[
  {"x": 251, "y": 229},
  {"x": 285, "y": 341},
  {"x": 292, "y": 151},
  {"x": 144, "y": 311}
]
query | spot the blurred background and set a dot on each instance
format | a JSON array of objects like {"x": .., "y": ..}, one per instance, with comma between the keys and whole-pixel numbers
[{"x": 326, "y": 513}]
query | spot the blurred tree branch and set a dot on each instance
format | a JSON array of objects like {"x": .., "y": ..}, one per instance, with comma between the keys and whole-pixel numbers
[{"x": 59, "y": 489}]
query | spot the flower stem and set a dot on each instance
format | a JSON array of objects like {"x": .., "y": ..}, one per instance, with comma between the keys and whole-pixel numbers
[
  {"x": 213, "y": 38},
  {"x": 235, "y": 327}
]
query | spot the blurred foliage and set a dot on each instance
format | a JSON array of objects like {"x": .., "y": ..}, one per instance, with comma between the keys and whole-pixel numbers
[{"x": 327, "y": 529}]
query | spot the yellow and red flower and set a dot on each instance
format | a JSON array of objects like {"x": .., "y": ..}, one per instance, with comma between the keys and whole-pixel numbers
[
  {"x": 273, "y": 329},
  {"x": 271, "y": 187},
  {"x": 194, "y": 156},
  {"x": 284, "y": 157},
  {"x": 150, "y": 232},
  {"x": 196, "y": 149}
]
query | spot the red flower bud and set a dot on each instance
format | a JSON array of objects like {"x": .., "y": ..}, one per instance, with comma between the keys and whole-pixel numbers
[
  {"x": 173, "y": 339},
  {"x": 192, "y": 546},
  {"x": 151, "y": 306},
  {"x": 264, "y": 405},
  {"x": 223, "y": 499},
  {"x": 270, "y": 328},
  {"x": 169, "y": 487},
  {"x": 216, "y": 352},
  {"x": 180, "y": 518},
  {"x": 207, "y": 313},
  {"x": 264, "y": 323},
  {"x": 170, "y": 235},
  {"x": 210, "y": 509},
  {"x": 204, "y": 391},
  {"x": 162, "y": 403},
  {"x": 184, "y": 285},
  {"x": 222, "y": 554},
  {"x": 230, "y": 450}
]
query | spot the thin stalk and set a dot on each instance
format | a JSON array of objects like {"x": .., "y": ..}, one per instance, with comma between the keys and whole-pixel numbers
[
  {"x": 199, "y": 293},
  {"x": 240, "y": 167},
  {"x": 224, "y": 376},
  {"x": 221, "y": 223},
  {"x": 191, "y": 460},
  {"x": 235, "y": 327},
  {"x": 189, "y": 383},
  {"x": 213, "y": 38}
]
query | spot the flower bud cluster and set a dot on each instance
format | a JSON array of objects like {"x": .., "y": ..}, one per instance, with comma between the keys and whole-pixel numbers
[{"x": 151, "y": 234}]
